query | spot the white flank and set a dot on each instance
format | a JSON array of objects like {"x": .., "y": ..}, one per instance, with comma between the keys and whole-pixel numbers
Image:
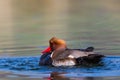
[
  {"x": 71, "y": 56},
  {"x": 65, "y": 63}
]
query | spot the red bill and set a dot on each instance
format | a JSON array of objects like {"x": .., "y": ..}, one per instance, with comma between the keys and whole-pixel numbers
[{"x": 47, "y": 50}]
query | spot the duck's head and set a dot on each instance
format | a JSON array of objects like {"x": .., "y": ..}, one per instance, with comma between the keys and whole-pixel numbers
[{"x": 54, "y": 44}]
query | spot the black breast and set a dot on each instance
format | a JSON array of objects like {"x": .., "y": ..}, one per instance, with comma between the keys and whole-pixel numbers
[{"x": 45, "y": 59}]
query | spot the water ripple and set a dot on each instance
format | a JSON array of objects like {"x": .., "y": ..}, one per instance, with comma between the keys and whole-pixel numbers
[{"x": 110, "y": 65}]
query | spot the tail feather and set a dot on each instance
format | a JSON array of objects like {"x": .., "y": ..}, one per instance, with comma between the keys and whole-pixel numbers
[{"x": 89, "y": 49}]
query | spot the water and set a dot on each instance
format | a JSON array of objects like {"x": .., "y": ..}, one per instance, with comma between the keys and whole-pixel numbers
[
  {"x": 27, "y": 25},
  {"x": 27, "y": 67}
]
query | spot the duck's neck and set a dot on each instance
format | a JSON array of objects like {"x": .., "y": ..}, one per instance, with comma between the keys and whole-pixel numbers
[{"x": 57, "y": 52}]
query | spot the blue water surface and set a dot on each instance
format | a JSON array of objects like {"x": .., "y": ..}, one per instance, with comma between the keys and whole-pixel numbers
[{"x": 109, "y": 66}]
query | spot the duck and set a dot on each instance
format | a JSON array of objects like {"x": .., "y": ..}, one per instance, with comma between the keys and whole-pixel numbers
[{"x": 58, "y": 54}]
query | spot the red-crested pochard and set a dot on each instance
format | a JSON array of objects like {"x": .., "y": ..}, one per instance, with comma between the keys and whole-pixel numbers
[{"x": 59, "y": 55}]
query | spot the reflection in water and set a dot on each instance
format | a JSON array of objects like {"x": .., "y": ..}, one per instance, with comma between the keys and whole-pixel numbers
[
  {"x": 6, "y": 24},
  {"x": 57, "y": 76},
  {"x": 60, "y": 76},
  {"x": 28, "y": 23}
]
